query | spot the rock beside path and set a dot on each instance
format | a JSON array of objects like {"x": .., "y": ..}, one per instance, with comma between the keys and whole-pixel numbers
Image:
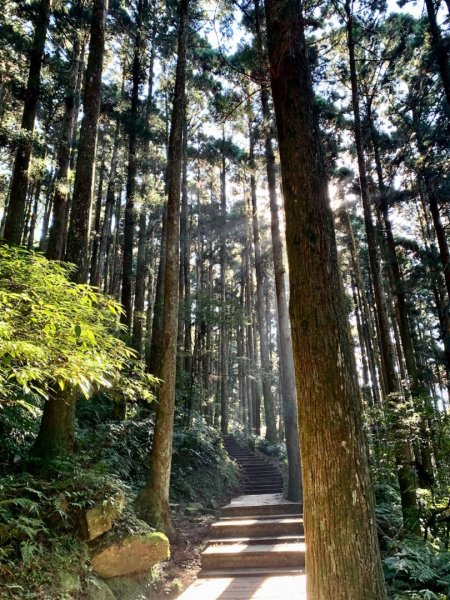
[
  {"x": 131, "y": 555},
  {"x": 100, "y": 518}
]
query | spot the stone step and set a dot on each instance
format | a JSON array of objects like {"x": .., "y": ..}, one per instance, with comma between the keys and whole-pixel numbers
[
  {"x": 278, "y": 487},
  {"x": 258, "y": 572},
  {"x": 257, "y": 556},
  {"x": 264, "y": 476},
  {"x": 261, "y": 473},
  {"x": 273, "y": 504},
  {"x": 269, "y": 479},
  {"x": 249, "y": 541},
  {"x": 269, "y": 489},
  {"x": 263, "y": 480},
  {"x": 252, "y": 466},
  {"x": 261, "y": 517},
  {"x": 246, "y": 527},
  {"x": 268, "y": 484}
]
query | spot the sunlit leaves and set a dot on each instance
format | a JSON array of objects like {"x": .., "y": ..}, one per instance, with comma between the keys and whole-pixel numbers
[{"x": 56, "y": 333}]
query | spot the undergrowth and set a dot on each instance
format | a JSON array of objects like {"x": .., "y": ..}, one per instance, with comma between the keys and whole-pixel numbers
[{"x": 42, "y": 554}]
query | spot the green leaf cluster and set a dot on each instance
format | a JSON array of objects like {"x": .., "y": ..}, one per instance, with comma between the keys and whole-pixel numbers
[{"x": 55, "y": 334}]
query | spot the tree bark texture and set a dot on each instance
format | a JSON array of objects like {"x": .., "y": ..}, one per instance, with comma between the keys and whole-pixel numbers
[
  {"x": 343, "y": 558},
  {"x": 80, "y": 218}
]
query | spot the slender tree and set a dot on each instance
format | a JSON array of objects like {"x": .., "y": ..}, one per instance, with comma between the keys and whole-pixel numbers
[
  {"x": 153, "y": 500},
  {"x": 80, "y": 217},
  {"x": 15, "y": 217}
]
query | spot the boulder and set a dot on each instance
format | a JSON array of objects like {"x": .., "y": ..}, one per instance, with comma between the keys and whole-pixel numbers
[
  {"x": 100, "y": 518},
  {"x": 96, "y": 589},
  {"x": 133, "y": 554}
]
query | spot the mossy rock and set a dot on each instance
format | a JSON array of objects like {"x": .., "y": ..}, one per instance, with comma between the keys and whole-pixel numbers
[
  {"x": 100, "y": 518},
  {"x": 96, "y": 589},
  {"x": 133, "y": 554}
]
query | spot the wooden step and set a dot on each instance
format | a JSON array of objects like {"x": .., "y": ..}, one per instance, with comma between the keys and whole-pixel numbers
[
  {"x": 254, "y": 556},
  {"x": 246, "y": 527}
]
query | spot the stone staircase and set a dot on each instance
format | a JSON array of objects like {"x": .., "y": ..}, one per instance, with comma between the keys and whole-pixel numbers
[
  {"x": 257, "y": 547},
  {"x": 258, "y": 474},
  {"x": 256, "y": 534}
]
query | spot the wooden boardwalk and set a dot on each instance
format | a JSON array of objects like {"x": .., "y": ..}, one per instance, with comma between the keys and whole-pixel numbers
[{"x": 256, "y": 551}]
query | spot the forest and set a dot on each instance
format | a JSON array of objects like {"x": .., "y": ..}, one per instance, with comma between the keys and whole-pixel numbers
[{"x": 223, "y": 217}]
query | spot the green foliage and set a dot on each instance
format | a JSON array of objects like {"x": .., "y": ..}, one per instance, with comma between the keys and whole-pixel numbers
[
  {"x": 39, "y": 547},
  {"x": 416, "y": 569},
  {"x": 55, "y": 333},
  {"x": 122, "y": 448},
  {"x": 274, "y": 449},
  {"x": 199, "y": 457}
]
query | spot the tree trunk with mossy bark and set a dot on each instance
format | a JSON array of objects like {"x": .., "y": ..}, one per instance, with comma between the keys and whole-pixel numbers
[{"x": 343, "y": 559}]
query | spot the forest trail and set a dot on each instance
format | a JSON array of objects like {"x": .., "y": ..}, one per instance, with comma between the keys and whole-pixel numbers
[{"x": 257, "y": 549}]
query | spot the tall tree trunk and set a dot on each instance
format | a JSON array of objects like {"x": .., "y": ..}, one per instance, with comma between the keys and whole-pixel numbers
[
  {"x": 224, "y": 411},
  {"x": 288, "y": 391},
  {"x": 185, "y": 246},
  {"x": 418, "y": 389},
  {"x": 129, "y": 227},
  {"x": 33, "y": 216},
  {"x": 254, "y": 394},
  {"x": 403, "y": 452},
  {"x": 80, "y": 218},
  {"x": 338, "y": 502},
  {"x": 269, "y": 408},
  {"x": 141, "y": 276},
  {"x": 153, "y": 500},
  {"x": 97, "y": 220},
  {"x": 47, "y": 213},
  {"x": 440, "y": 49},
  {"x": 55, "y": 248},
  {"x": 105, "y": 232},
  {"x": 78, "y": 241},
  {"x": 154, "y": 355},
  {"x": 56, "y": 435},
  {"x": 15, "y": 217}
]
